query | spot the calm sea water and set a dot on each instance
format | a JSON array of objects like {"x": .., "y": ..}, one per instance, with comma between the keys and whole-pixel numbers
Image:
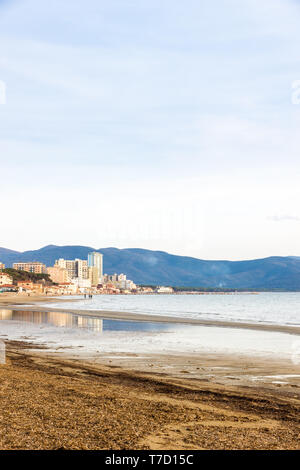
[
  {"x": 272, "y": 308},
  {"x": 88, "y": 334}
]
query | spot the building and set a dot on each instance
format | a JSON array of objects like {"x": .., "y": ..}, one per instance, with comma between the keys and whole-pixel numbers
[
  {"x": 25, "y": 285},
  {"x": 30, "y": 286},
  {"x": 111, "y": 278},
  {"x": 126, "y": 285},
  {"x": 120, "y": 281},
  {"x": 146, "y": 290},
  {"x": 2, "y": 266},
  {"x": 77, "y": 268},
  {"x": 5, "y": 279},
  {"x": 81, "y": 283},
  {"x": 94, "y": 276},
  {"x": 58, "y": 275},
  {"x": 95, "y": 265},
  {"x": 69, "y": 265},
  {"x": 67, "y": 288},
  {"x": 33, "y": 267},
  {"x": 164, "y": 290}
]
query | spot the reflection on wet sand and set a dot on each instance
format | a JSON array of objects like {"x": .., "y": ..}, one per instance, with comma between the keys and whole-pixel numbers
[
  {"x": 53, "y": 318},
  {"x": 69, "y": 320}
]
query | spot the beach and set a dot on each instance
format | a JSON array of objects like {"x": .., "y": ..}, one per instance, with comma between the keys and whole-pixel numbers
[
  {"x": 60, "y": 391},
  {"x": 55, "y": 403}
]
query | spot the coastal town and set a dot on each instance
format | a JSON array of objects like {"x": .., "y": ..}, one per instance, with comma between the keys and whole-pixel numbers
[{"x": 70, "y": 277}]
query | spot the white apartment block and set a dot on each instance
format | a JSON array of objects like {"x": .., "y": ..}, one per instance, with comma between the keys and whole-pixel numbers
[
  {"x": 164, "y": 290},
  {"x": 77, "y": 268}
]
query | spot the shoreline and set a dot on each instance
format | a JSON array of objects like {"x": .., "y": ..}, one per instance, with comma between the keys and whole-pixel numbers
[{"x": 35, "y": 305}]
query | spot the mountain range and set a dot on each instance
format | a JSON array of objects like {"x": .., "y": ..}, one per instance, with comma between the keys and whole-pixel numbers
[{"x": 158, "y": 267}]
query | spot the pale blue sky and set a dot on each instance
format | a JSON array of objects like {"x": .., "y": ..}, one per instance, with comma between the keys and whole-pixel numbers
[{"x": 164, "y": 125}]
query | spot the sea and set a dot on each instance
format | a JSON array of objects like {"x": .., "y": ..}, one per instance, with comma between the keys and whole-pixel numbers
[
  {"x": 99, "y": 335},
  {"x": 265, "y": 307}
]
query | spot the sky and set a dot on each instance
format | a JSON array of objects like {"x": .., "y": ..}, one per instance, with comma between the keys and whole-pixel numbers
[{"x": 159, "y": 124}]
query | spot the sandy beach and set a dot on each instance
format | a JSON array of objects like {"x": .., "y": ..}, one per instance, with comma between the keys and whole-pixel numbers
[
  {"x": 59, "y": 398},
  {"x": 51, "y": 402},
  {"x": 8, "y": 298}
]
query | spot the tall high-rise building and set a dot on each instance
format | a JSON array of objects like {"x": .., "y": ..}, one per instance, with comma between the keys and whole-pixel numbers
[
  {"x": 2, "y": 266},
  {"x": 95, "y": 264}
]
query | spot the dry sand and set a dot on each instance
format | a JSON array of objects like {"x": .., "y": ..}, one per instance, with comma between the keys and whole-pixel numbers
[
  {"x": 11, "y": 298},
  {"x": 53, "y": 402}
]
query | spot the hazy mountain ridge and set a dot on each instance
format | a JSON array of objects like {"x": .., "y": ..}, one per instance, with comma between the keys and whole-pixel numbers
[{"x": 158, "y": 267}]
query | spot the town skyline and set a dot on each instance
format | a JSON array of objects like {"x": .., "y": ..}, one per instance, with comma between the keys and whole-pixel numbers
[
  {"x": 68, "y": 276},
  {"x": 148, "y": 267}
]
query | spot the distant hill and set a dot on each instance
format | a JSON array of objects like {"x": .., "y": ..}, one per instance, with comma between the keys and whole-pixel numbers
[{"x": 158, "y": 267}]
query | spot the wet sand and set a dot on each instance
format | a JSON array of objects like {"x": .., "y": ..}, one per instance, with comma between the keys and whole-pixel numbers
[{"x": 55, "y": 402}]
